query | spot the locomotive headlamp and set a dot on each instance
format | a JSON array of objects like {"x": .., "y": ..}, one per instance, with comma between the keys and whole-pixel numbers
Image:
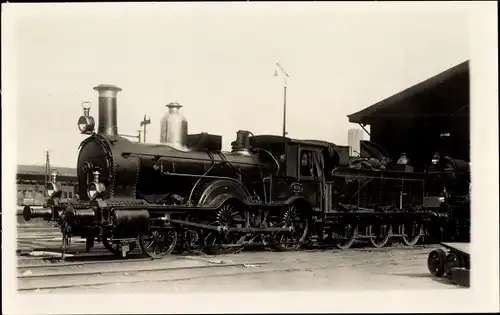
[
  {"x": 95, "y": 188},
  {"x": 435, "y": 159},
  {"x": 86, "y": 122},
  {"x": 53, "y": 188}
]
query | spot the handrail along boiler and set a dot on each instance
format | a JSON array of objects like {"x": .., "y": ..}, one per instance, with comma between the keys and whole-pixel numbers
[{"x": 186, "y": 193}]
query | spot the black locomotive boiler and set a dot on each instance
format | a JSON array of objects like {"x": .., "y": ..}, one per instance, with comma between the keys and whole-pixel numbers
[{"x": 186, "y": 193}]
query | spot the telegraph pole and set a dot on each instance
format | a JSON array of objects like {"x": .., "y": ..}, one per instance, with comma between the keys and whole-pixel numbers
[
  {"x": 285, "y": 143},
  {"x": 285, "y": 75},
  {"x": 144, "y": 122}
]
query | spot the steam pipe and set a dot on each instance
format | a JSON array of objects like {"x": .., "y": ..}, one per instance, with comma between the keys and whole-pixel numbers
[{"x": 107, "y": 109}]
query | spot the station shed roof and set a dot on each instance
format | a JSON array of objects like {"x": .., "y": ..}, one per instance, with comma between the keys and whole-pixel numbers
[
  {"x": 40, "y": 170},
  {"x": 443, "y": 95}
]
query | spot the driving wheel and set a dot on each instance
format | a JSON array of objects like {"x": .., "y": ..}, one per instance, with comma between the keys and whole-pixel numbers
[{"x": 287, "y": 241}]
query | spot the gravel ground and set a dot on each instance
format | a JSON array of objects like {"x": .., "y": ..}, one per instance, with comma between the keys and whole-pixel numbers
[{"x": 365, "y": 269}]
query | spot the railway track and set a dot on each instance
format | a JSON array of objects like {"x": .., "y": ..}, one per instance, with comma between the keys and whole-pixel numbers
[
  {"x": 67, "y": 275},
  {"x": 36, "y": 277},
  {"x": 101, "y": 268}
]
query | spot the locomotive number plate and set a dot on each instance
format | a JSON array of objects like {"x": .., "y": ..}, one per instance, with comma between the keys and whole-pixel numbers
[{"x": 296, "y": 187}]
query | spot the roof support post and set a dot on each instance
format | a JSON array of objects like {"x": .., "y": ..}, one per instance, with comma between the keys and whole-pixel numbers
[{"x": 362, "y": 126}]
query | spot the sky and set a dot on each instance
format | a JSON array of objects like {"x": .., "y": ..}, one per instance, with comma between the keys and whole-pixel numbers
[{"x": 218, "y": 61}]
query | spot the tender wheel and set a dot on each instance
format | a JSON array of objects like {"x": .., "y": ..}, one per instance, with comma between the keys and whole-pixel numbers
[
  {"x": 115, "y": 246},
  {"x": 292, "y": 218},
  {"x": 380, "y": 234},
  {"x": 412, "y": 233},
  {"x": 159, "y": 243},
  {"x": 348, "y": 237},
  {"x": 436, "y": 262}
]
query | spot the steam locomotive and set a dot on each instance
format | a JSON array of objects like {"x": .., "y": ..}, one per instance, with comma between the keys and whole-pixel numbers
[{"x": 185, "y": 193}]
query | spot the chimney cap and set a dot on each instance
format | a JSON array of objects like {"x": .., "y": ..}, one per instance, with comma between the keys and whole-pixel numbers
[
  {"x": 107, "y": 87},
  {"x": 173, "y": 105}
]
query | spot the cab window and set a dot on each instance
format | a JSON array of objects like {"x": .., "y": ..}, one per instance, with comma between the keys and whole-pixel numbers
[{"x": 306, "y": 163}]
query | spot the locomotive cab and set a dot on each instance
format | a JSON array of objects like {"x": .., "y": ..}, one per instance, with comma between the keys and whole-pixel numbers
[{"x": 305, "y": 165}]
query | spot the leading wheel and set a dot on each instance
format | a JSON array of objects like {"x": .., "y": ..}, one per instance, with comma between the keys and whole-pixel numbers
[
  {"x": 159, "y": 243},
  {"x": 436, "y": 262}
]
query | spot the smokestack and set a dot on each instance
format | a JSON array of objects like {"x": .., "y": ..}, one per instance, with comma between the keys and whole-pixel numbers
[{"x": 107, "y": 109}]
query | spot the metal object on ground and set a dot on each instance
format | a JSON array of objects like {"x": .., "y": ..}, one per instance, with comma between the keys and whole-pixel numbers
[{"x": 454, "y": 265}]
